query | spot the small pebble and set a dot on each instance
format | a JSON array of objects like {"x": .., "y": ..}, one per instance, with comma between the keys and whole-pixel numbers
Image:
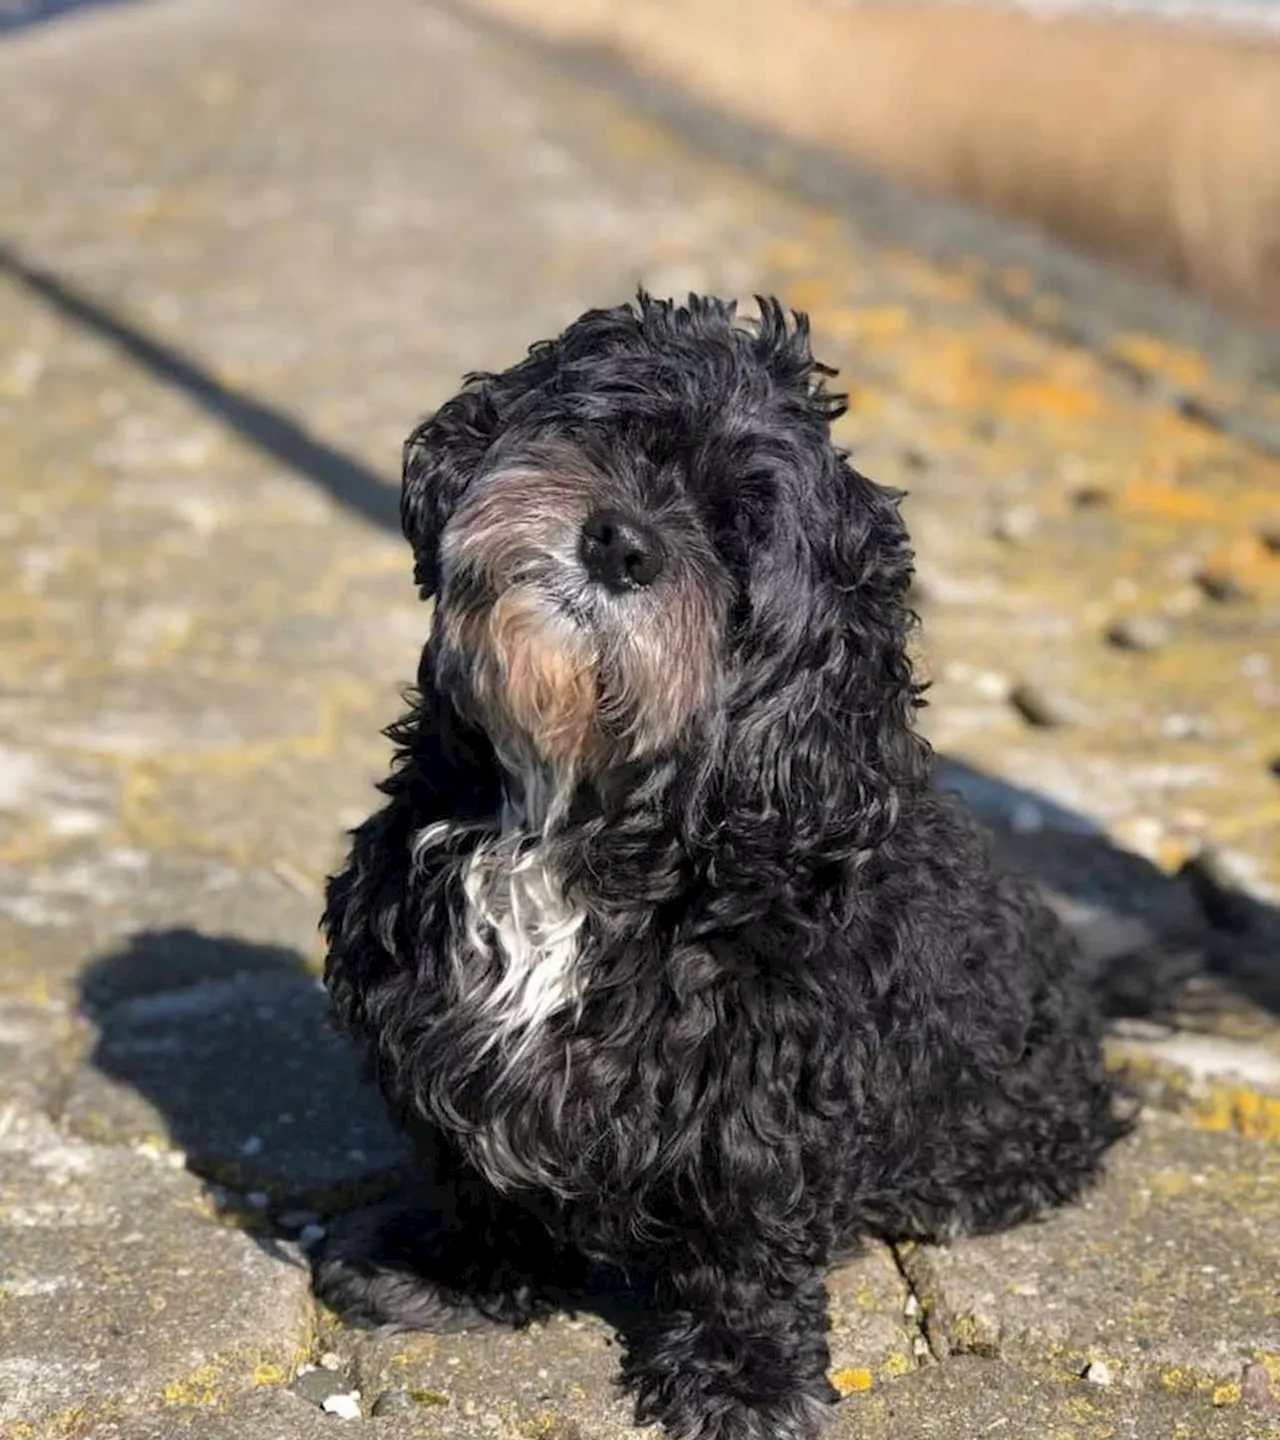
[
  {"x": 319, "y": 1385},
  {"x": 393, "y": 1402},
  {"x": 330, "y": 1361},
  {"x": 911, "y": 1307},
  {"x": 345, "y": 1406},
  {"x": 1186, "y": 727},
  {"x": 1141, "y": 633},
  {"x": 1220, "y": 587},
  {"x": 1090, "y": 497},
  {"x": 1097, "y": 1372},
  {"x": 252, "y": 1146},
  {"x": 1015, "y": 524},
  {"x": 1046, "y": 709},
  {"x": 257, "y": 1199},
  {"x": 311, "y": 1235},
  {"x": 991, "y": 685},
  {"x": 1255, "y": 1388}
]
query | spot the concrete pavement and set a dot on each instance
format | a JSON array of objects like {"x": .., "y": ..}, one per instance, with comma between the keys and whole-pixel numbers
[{"x": 246, "y": 247}]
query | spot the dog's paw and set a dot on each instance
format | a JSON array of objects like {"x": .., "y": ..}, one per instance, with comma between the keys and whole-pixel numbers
[
  {"x": 394, "y": 1267},
  {"x": 375, "y": 1298},
  {"x": 369, "y": 1275},
  {"x": 694, "y": 1413}
]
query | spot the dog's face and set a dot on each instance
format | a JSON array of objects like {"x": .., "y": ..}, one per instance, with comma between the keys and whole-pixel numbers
[
  {"x": 582, "y": 600},
  {"x": 623, "y": 527}
]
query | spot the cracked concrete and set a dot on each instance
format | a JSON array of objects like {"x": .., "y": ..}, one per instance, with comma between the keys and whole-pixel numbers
[{"x": 247, "y": 247}]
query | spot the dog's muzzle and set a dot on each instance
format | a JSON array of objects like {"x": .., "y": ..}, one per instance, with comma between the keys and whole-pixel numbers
[{"x": 569, "y": 623}]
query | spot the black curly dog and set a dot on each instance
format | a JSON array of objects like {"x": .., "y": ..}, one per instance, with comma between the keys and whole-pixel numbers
[{"x": 664, "y": 949}]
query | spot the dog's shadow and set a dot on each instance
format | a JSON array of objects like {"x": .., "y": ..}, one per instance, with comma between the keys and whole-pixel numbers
[
  {"x": 222, "y": 1044},
  {"x": 1189, "y": 948}
]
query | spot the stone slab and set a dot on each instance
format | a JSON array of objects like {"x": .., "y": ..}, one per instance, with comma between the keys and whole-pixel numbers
[
  {"x": 875, "y": 1337},
  {"x": 969, "y": 1397},
  {"x": 278, "y": 1415},
  {"x": 1168, "y": 1273},
  {"x": 561, "y": 1374},
  {"x": 1219, "y": 1081},
  {"x": 120, "y": 1286}
]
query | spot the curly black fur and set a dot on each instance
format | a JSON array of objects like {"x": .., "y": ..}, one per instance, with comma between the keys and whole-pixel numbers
[{"x": 804, "y": 1005}]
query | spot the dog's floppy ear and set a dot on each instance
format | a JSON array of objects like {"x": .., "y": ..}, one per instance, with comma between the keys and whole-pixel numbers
[
  {"x": 440, "y": 459},
  {"x": 820, "y": 745}
]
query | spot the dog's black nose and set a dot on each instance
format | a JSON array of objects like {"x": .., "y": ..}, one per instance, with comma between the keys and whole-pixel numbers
[{"x": 619, "y": 551}]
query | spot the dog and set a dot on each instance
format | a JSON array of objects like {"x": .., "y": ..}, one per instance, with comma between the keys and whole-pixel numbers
[{"x": 665, "y": 951}]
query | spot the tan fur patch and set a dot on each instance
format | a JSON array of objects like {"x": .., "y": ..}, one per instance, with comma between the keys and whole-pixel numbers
[{"x": 549, "y": 675}]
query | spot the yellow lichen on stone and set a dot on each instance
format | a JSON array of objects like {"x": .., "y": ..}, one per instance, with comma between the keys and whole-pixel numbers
[
  {"x": 851, "y": 1381},
  {"x": 1225, "y": 1107},
  {"x": 197, "y": 1388},
  {"x": 1179, "y": 1381},
  {"x": 429, "y": 1397},
  {"x": 897, "y": 1365},
  {"x": 60, "y": 1425},
  {"x": 268, "y": 1374},
  {"x": 1208, "y": 1104},
  {"x": 1227, "y": 1394},
  {"x": 973, "y": 1335}
]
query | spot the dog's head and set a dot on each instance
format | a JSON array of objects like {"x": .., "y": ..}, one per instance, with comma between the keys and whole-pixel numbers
[{"x": 642, "y": 540}]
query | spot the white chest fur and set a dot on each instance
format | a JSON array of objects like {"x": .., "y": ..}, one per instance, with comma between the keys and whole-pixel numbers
[
  {"x": 516, "y": 961},
  {"x": 517, "y": 913}
]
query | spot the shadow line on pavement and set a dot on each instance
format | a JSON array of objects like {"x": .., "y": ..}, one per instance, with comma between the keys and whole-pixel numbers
[
  {"x": 344, "y": 479},
  {"x": 27, "y": 14}
]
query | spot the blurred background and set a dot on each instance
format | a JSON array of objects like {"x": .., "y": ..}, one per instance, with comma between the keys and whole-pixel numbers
[{"x": 246, "y": 244}]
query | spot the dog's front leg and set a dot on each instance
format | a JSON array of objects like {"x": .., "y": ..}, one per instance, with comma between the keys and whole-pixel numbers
[
  {"x": 735, "y": 1346},
  {"x": 448, "y": 1256}
]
